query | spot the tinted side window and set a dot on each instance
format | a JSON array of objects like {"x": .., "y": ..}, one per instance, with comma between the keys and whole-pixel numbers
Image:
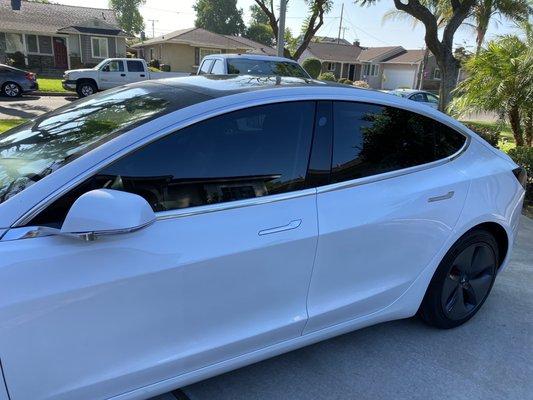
[
  {"x": 244, "y": 154},
  {"x": 371, "y": 139},
  {"x": 135, "y": 66}
]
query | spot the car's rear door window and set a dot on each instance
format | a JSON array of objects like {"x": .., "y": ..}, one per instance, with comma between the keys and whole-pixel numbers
[{"x": 372, "y": 139}]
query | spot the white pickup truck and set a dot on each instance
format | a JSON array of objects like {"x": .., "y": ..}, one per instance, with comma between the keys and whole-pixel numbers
[{"x": 110, "y": 73}]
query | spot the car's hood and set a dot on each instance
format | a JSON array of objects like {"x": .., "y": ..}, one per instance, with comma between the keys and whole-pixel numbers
[{"x": 81, "y": 70}]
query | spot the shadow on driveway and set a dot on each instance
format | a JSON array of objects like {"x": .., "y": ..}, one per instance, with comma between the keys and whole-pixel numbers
[{"x": 31, "y": 106}]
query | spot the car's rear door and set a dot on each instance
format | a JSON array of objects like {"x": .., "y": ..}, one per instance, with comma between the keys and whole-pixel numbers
[
  {"x": 223, "y": 271},
  {"x": 136, "y": 71},
  {"x": 393, "y": 201}
]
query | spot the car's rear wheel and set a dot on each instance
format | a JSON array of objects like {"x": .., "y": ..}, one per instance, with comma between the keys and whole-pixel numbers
[
  {"x": 11, "y": 89},
  {"x": 462, "y": 281},
  {"x": 85, "y": 89}
]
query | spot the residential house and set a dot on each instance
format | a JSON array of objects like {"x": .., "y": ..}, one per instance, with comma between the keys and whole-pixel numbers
[
  {"x": 183, "y": 50},
  {"x": 55, "y": 37},
  {"x": 256, "y": 47},
  {"x": 339, "y": 59},
  {"x": 388, "y": 67}
]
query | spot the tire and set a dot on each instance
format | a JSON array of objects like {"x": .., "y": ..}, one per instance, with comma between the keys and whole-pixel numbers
[
  {"x": 462, "y": 281},
  {"x": 11, "y": 89},
  {"x": 85, "y": 89}
]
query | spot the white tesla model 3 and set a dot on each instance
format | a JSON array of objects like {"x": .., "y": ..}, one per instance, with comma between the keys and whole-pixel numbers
[{"x": 165, "y": 232}]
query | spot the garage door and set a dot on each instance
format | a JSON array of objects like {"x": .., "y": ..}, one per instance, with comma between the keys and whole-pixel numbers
[{"x": 395, "y": 78}]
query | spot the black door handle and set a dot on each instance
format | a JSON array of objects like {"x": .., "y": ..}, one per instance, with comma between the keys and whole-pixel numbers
[
  {"x": 142, "y": 75},
  {"x": 122, "y": 74}
]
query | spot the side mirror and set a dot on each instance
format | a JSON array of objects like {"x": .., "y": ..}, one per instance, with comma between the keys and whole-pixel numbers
[{"x": 106, "y": 212}]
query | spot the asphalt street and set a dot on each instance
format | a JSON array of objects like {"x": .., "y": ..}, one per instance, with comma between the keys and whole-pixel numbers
[
  {"x": 490, "y": 357},
  {"x": 30, "y": 106}
]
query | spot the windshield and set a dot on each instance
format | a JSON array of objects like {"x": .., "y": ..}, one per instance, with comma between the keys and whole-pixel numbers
[
  {"x": 100, "y": 64},
  {"x": 248, "y": 66},
  {"x": 36, "y": 149}
]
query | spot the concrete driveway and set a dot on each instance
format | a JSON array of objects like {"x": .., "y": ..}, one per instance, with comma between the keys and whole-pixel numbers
[
  {"x": 31, "y": 106},
  {"x": 491, "y": 357}
]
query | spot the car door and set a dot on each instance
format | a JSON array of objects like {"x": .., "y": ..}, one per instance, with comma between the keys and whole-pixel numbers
[
  {"x": 111, "y": 75},
  {"x": 136, "y": 71},
  {"x": 223, "y": 271},
  {"x": 393, "y": 201},
  {"x": 432, "y": 100}
]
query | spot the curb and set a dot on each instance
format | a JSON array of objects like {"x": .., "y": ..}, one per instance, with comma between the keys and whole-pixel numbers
[{"x": 58, "y": 94}]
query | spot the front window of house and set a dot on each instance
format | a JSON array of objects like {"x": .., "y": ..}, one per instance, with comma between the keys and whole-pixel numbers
[
  {"x": 39, "y": 44},
  {"x": 436, "y": 74},
  {"x": 208, "y": 52},
  {"x": 330, "y": 66},
  {"x": 99, "y": 47},
  {"x": 371, "y": 69},
  {"x": 14, "y": 43}
]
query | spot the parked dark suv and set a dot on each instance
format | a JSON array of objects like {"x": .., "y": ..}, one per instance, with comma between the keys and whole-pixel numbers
[{"x": 14, "y": 81}]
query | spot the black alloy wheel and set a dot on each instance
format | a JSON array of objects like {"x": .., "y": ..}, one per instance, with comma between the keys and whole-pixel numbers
[{"x": 462, "y": 281}]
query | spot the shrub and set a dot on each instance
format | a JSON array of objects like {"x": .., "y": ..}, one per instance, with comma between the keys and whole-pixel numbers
[
  {"x": 312, "y": 66},
  {"x": 154, "y": 64},
  {"x": 488, "y": 133},
  {"x": 165, "y": 67},
  {"x": 327, "y": 76},
  {"x": 17, "y": 60},
  {"x": 348, "y": 82},
  {"x": 361, "y": 84},
  {"x": 342, "y": 80}
]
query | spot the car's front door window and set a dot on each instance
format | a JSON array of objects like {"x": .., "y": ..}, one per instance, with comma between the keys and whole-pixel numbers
[{"x": 244, "y": 154}]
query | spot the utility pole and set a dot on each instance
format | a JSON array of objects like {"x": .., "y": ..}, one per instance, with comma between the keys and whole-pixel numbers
[
  {"x": 281, "y": 27},
  {"x": 340, "y": 25},
  {"x": 153, "y": 21}
]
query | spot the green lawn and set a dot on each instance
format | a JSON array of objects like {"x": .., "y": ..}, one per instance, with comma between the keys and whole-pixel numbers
[
  {"x": 6, "y": 124},
  {"x": 50, "y": 85}
]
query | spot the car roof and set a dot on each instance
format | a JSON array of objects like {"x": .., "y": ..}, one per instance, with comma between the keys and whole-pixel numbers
[{"x": 250, "y": 56}]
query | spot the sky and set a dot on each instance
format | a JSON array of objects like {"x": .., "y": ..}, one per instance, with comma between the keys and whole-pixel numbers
[{"x": 362, "y": 23}]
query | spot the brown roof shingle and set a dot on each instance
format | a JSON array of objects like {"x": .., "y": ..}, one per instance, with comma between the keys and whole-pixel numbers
[
  {"x": 197, "y": 37},
  {"x": 372, "y": 53},
  {"x": 257, "y": 47},
  {"x": 48, "y": 17},
  {"x": 407, "y": 57},
  {"x": 334, "y": 52}
]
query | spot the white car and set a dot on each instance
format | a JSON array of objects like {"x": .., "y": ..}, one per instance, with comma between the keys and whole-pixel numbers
[
  {"x": 251, "y": 64},
  {"x": 165, "y": 232},
  {"x": 110, "y": 73},
  {"x": 420, "y": 96}
]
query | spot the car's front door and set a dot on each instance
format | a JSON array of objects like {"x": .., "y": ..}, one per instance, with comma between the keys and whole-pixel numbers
[
  {"x": 389, "y": 210},
  {"x": 111, "y": 75},
  {"x": 223, "y": 271}
]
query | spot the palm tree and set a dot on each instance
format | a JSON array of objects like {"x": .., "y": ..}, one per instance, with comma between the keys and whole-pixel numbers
[
  {"x": 486, "y": 10},
  {"x": 500, "y": 79}
]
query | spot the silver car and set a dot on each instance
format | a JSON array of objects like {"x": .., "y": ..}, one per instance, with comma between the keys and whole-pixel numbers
[
  {"x": 14, "y": 81},
  {"x": 419, "y": 96}
]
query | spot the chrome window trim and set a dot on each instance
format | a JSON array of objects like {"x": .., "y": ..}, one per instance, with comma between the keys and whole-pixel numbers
[{"x": 272, "y": 98}]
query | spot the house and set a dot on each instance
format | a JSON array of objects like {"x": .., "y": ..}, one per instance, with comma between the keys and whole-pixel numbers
[
  {"x": 257, "y": 48},
  {"x": 183, "y": 49},
  {"x": 338, "y": 58},
  {"x": 388, "y": 67},
  {"x": 54, "y": 37}
]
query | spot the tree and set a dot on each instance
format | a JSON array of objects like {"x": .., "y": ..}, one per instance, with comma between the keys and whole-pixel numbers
[
  {"x": 261, "y": 33},
  {"x": 316, "y": 8},
  {"x": 128, "y": 15},
  {"x": 219, "y": 16},
  {"x": 429, "y": 13},
  {"x": 258, "y": 16},
  {"x": 313, "y": 66},
  {"x": 485, "y": 10},
  {"x": 500, "y": 79}
]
